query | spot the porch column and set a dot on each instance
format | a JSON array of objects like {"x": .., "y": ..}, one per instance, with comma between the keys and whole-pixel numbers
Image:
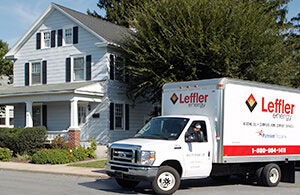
[
  {"x": 29, "y": 121},
  {"x": 7, "y": 116},
  {"x": 74, "y": 130},
  {"x": 74, "y": 114}
]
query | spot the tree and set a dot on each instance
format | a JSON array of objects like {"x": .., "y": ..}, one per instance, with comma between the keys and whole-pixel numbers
[
  {"x": 295, "y": 39},
  {"x": 6, "y": 66},
  {"x": 181, "y": 40},
  {"x": 118, "y": 11}
]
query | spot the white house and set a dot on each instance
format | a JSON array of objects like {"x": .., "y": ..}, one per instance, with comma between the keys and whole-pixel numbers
[{"x": 68, "y": 76}]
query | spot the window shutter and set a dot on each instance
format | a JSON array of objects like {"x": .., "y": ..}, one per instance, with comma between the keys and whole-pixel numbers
[
  {"x": 44, "y": 115},
  {"x": 59, "y": 37},
  {"x": 75, "y": 34},
  {"x": 26, "y": 74},
  {"x": 45, "y": 72},
  {"x": 53, "y": 38},
  {"x": 112, "y": 64},
  {"x": 88, "y": 67},
  {"x": 126, "y": 116},
  {"x": 38, "y": 40},
  {"x": 68, "y": 69},
  {"x": 112, "y": 121}
]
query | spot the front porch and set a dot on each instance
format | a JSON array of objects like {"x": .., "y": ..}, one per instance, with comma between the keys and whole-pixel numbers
[{"x": 58, "y": 108}]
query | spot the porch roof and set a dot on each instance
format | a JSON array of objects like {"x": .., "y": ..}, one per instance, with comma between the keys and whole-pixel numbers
[{"x": 78, "y": 87}]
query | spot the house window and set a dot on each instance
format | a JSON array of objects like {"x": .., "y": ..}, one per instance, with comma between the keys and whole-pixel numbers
[
  {"x": 46, "y": 39},
  {"x": 2, "y": 115},
  {"x": 36, "y": 73},
  {"x": 119, "y": 69},
  {"x": 78, "y": 68},
  {"x": 82, "y": 112},
  {"x": 119, "y": 116},
  {"x": 68, "y": 36},
  {"x": 11, "y": 116}
]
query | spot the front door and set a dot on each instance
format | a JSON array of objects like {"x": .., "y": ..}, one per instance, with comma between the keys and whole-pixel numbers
[
  {"x": 198, "y": 152},
  {"x": 37, "y": 115}
]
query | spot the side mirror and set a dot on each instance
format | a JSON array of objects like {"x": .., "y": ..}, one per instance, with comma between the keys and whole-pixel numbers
[{"x": 187, "y": 138}]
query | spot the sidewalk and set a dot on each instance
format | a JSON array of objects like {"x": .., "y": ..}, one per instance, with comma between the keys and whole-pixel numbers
[{"x": 55, "y": 169}]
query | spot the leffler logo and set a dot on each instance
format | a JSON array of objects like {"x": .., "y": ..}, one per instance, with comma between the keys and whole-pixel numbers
[
  {"x": 174, "y": 98},
  {"x": 251, "y": 102}
]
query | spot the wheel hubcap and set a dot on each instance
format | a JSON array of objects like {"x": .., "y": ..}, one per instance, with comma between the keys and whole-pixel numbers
[
  {"x": 274, "y": 175},
  {"x": 166, "y": 181}
]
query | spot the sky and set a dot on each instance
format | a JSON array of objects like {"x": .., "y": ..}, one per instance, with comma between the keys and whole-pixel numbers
[{"x": 17, "y": 16}]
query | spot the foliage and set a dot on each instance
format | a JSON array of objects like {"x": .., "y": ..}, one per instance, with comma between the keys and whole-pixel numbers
[
  {"x": 24, "y": 157},
  {"x": 6, "y": 66},
  {"x": 118, "y": 11},
  {"x": 94, "y": 164},
  {"x": 5, "y": 154},
  {"x": 53, "y": 156},
  {"x": 181, "y": 40},
  {"x": 23, "y": 140},
  {"x": 79, "y": 153},
  {"x": 59, "y": 143},
  {"x": 90, "y": 151}
]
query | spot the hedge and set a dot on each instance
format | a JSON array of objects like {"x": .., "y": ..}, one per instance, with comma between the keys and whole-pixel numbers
[{"x": 23, "y": 140}]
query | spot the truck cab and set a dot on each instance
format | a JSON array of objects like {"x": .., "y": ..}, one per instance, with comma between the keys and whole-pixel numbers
[{"x": 167, "y": 141}]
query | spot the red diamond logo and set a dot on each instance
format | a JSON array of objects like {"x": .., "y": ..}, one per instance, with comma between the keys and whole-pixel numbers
[
  {"x": 251, "y": 102},
  {"x": 174, "y": 98}
]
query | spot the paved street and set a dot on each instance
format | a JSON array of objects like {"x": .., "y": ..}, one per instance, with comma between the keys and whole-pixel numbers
[{"x": 16, "y": 182}]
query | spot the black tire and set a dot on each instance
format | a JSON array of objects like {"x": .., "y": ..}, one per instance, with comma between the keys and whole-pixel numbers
[
  {"x": 271, "y": 175},
  {"x": 167, "y": 180},
  {"x": 129, "y": 184}
]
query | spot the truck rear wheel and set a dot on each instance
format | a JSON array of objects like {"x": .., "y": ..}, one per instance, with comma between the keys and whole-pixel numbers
[
  {"x": 271, "y": 175},
  {"x": 127, "y": 183},
  {"x": 167, "y": 180}
]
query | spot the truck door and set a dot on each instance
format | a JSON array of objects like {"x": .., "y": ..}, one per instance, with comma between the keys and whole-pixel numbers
[{"x": 197, "y": 152}]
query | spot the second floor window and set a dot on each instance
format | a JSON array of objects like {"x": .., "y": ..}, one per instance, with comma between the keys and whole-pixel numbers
[
  {"x": 78, "y": 69},
  {"x": 68, "y": 36},
  {"x": 117, "y": 68},
  {"x": 35, "y": 73},
  {"x": 46, "y": 39}
]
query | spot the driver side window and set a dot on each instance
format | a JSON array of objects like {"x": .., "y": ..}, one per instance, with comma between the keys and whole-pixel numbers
[{"x": 203, "y": 130}]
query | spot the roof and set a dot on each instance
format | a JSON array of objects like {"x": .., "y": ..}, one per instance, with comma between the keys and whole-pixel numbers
[
  {"x": 44, "y": 89},
  {"x": 107, "y": 32}
]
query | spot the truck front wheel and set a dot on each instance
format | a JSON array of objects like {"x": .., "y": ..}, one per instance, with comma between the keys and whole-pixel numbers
[
  {"x": 167, "y": 180},
  {"x": 127, "y": 183},
  {"x": 271, "y": 175}
]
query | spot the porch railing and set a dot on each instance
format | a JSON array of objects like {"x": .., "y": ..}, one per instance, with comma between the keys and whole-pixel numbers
[{"x": 51, "y": 135}]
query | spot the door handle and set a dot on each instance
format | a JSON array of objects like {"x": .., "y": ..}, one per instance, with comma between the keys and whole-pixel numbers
[
  {"x": 208, "y": 153},
  {"x": 177, "y": 147}
]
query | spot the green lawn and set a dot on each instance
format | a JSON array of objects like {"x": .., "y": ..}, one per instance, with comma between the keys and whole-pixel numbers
[{"x": 95, "y": 164}]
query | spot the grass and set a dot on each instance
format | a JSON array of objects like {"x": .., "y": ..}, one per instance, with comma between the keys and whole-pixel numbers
[{"x": 94, "y": 164}]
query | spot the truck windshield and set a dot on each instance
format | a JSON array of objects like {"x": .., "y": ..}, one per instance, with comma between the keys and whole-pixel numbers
[{"x": 163, "y": 128}]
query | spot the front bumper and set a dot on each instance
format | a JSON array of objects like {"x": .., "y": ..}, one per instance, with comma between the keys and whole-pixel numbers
[{"x": 131, "y": 172}]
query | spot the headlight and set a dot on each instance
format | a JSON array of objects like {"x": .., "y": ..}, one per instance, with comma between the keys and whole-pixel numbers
[{"x": 147, "y": 158}]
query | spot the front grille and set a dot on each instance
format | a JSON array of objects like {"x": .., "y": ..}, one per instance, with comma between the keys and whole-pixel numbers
[{"x": 123, "y": 155}]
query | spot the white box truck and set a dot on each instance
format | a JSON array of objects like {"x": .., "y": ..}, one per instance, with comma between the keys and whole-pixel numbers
[{"x": 216, "y": 127}]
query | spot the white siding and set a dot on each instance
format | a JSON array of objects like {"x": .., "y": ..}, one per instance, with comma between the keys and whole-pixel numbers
[
  {"x": 58, "y": 116},
  {"x": 56, "y": 57},
  {"x": 19, "y": 115}
]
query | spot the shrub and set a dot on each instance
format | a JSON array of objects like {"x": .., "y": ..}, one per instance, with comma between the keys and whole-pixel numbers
[
  {"x": 53, "y": 156},
  {"x": 90, "y": 151},
  {"x": 23, "y": 140},
  {"x": 24, "y": 157},
  {"x": 79, "y": 153},
  {"x": 5, "y": 154},
  {"x": 59, "y": 143}
]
